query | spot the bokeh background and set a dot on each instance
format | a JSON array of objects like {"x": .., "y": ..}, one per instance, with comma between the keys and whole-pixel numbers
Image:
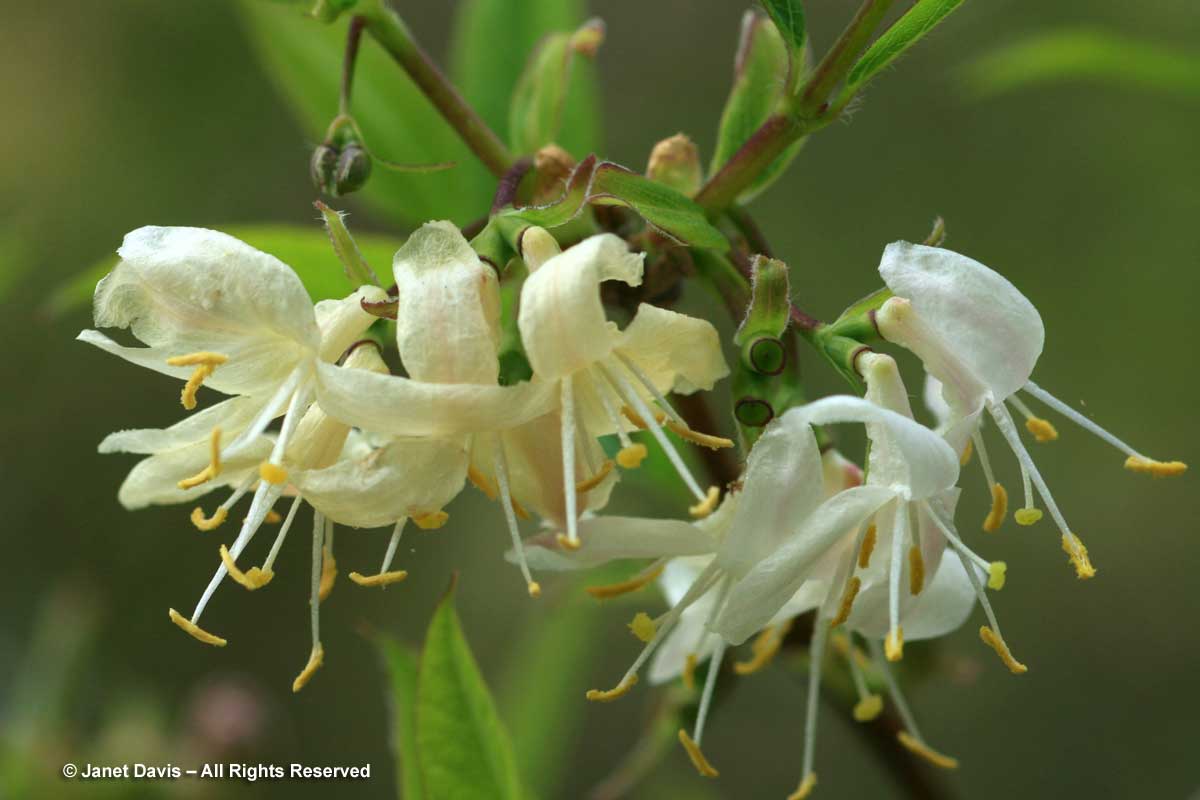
[{"x": 1084, "y": 193}]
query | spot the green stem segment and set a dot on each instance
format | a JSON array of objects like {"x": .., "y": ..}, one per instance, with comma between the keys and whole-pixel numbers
[{"x": 390, "y": 31}]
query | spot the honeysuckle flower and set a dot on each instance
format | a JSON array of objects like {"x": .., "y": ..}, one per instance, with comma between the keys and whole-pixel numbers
[
  {"x": 981, "y": 338},
  {"x": 610, "y": 380}
]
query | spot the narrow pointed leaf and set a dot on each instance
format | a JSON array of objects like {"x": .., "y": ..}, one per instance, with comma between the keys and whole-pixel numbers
[
  {"x": 904, "y": 33},
  {"x": 788, "y": 16},
  {"x": 463, "y": 747},
  {"x": 402, "y": 665}
]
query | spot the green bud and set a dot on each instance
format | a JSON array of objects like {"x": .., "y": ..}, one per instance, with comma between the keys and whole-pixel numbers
[
  {"x": 322, "y": 167},
  {"x": 352, "y": 170},
  {"x": 676, "y": 162}
]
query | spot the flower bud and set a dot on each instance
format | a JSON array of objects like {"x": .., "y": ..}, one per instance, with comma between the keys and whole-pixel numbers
[
  {"x": 676, "y": 162},
  {"x": 352, "y": 170},
  {"x": 322, "y": 167}
]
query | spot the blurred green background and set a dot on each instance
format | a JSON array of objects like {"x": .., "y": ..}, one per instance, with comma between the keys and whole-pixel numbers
[{"x": 1084, "y": 193}]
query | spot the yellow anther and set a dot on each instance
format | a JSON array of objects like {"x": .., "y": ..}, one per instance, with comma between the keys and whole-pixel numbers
[
  {"x": 631, "y": 457},
  {"x": 328, "y": 574},
  {"x": 642, "y": 626},
  {"x": 1041, "y": 429},
  {"x": 868, "y": 708},
  {"x": 695, "y": 437},
  {"x": 208, "y": 523},
  {"x": 620, "y": 690},
  {"x": 1027, "y": 516},
  {"x": 848, "y": 595},
  {"x": 214, "y": 463},
  {"x": 915, "y": 746},
  {"x": 701, "y": 763},
  {"x": 597, "y": 479},
  {"x": 916, "y": 570},
  {"x": 637, "y": 419},
  {"x": 995, "y": 517},
  {"x": 805, "y": 788},
  {"x": 1072, "y": 545},
  {"x": 689, "y": 672},
  {"x": 566, "y": 542},
  {"x": 203, "y": 476},
  {"x": 1159, "y": 469},
  {"x": 893, "y": 644},
  {"x": 382, "y": 579},
  {"x": 707, "y": 505},
  {"x": 764, "y": 647},
  {"x": 431, "y": 521},
  {"x": 1001, "y": 647},
  {"x": 195, "y": 630},
  {"x": 996, "y": 574},
  {"x": 624, "y": 587},
  {"x": 535, "y": 589},
  {"x": 272, "y": 473},
  {"x": 482, "y": 482},
  {"x": 205, "y": 363},
  {"x": 965, "y": 457},
  {"x": 315, "y": 659},
  {"x": 868, "y": 547},
  {"x": 253, "y": 578},
  {"x": 273, "y": 517}
]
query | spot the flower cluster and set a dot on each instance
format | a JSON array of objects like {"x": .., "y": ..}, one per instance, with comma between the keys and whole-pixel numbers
[{"x": 873, "y": 554}]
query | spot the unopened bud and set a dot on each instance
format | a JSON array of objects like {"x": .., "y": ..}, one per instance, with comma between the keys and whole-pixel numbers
[
  {"x": 353, "y": 169},
  {"x": 552, "y": 168},
  {"x": 676, "y": 162},
  {"x": 322, "y": 167}
]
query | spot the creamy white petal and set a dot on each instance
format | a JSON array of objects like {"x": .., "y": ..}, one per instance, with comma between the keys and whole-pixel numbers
[
  {"x": 689, "y": 636},
  {"x": 917, "y": 464},
  {"x": 784, "y": 482},
  {"x": 942, "y": 606},
  {"x": 344, "y": 322},
  {"x": 770, "y": 584},
  {"x": 185, "y": 290},
  {"x": 448, "y": 318},
  {"x": 676, "y": 352},
  {"x": 231, "y": 416},
  {"x": 608, "y": 538},
  {"x": 405, "y": 478},
  {"x": 562, "y": 321},
  {"x": 154, "y": 480},
  {"x": 994, "y": 328},
  {"x": 403, "y": 407}
]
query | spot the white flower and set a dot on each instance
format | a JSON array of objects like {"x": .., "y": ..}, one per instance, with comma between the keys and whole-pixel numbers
[
  {"x": 607, "y": 380},
  {"x": 980, "y": 338}
]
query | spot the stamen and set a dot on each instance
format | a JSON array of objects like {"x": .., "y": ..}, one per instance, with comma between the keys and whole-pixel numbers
[
  {"x": 707, "y": 505},
  {"x": 868, "y": 708},
  {"x": 566, "y": 542},
  {"x": 273, "y": 517},
  {"x": 764, "y": 648},
  {"x": 500, "y": 465},
  {"x": 614, "y": 418},
  {"x": 637, "y": 419},
  {"x": 645, "y": 381},
  {"x": 214, "y": 464},
  {"x": 381, "y": 579},
  {"x": 994, "y": 641},
  {"x": 816, "y": 661},
  {"x": 689, "y": 671},
  {"x": 917, "y": 747},
  {"x": 597, "y": 479},
  {"x": 996, "y": 575},
  {"x": 893, "y": 645},
  {"x": 282, "y": 535},
  {"x": 1027, "y": 516},
  {"x": 695, "y": 437},
  {"x": 1157, "y": 469},
  {"x": 328, "y": 569},
  {"x": 995, "y": 517},
  {"x": 848, "y": 595},
  {"x": 272, "y": 473},
  {"x": 643, "y": 627},
  {"x": 1164, "y": 469},
  {"x": 631, "y": 456},
  {"x": 209, "y": 523},
  {"x": 643, "y": 578},
  {"x": 916, "y": 570},
  {"x": 868, "y": 546},
  {"x": 1073, "y": 547},
  {"x": 701, "y": 763},
  {"x": 195, "y": 630},
  {"x": 204, "y": 362},
  {"x": 567, "y": 417},
  {"x": 481, "y": 482},
  {"x": 315, "y": 659},
  {"x": 430, "y": 521},
  {"x": 620, "y": 690},
  {"x": 252, "y": 579},
  {"x": 805, "y": 788},
  {"x": 1041, "y": 429}
]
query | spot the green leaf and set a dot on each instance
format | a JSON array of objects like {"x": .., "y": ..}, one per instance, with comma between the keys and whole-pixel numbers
[
  {"x": 539, "y": 99},
  {"x": 904, "y": 33},
  {"x": 788, "y": 16},
  {"x": 464, "y": 750},
  {"x": 760, "y": 86},
  {"x": 304, "y": 59},
  {"x": 490, "y": 47},
  {"x": 306, "y": 250},
  {"x": 1066, "y": 55},
  {"x": 605, "y": 183},
  {"x": 402, "y": 666}
]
